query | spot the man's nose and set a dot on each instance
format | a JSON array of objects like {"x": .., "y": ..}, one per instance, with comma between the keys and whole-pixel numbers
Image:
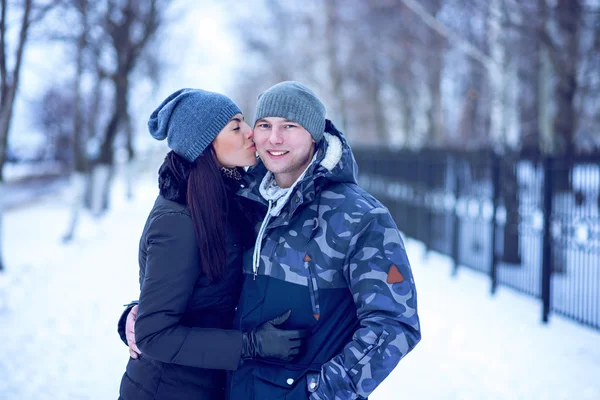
[{"x": 275, "y": 137}]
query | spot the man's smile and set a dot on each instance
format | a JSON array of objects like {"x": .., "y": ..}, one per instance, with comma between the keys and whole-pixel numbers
[{"x": 277, "y": 154}]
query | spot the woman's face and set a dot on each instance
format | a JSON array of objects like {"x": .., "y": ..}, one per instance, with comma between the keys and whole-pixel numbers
[{"x": 234, "y": 146}]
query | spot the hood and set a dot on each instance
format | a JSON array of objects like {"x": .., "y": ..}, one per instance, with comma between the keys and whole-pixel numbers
[{"x": 335, "y": 161}]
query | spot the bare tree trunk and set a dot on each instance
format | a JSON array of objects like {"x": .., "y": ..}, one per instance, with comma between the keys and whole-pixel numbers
[
  {"x": 434, "y": 66},
  {"x": 378, "y": 115},
  {"x": 467, "y": 127},
  {"x": 565, "y": 122},
  {"x": 8, "y": 90},
  {"x": 94, "y": 108},
  {"x": 104, "y": 168},
  {"x": 130, "y": 164},
  {"x": 529, "y": 99},
  {"x": 79, "y": 133},
  {"x": 564, "y": 54},
  {"x": 434, "y": 113},
  {"x": 367, "y": 75},
  {"x": 118, "y": 118},
  {"x": 6, "y": 111},
  {"x": 130, "y": 31},
  {"x": 80, "y": 160},
  {"x": 335, "y": 69},
  {"x": 106, "y": 155},
  {"x": 403, "y": 85},
  {"x": 497, "y": 73},
  {"x": 10, "y": 84},
  {"x": 78, "y": 185},
  {"x": 547, "y": 137},
  {"x": 407, "y": 115}
]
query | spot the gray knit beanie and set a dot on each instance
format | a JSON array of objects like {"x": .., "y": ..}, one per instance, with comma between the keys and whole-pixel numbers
[
  {"x": 190, "y": 119},
  {"x": 295, "y": 102}
]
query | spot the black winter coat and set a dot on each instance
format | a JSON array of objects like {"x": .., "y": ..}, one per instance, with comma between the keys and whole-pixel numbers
[{"x": 184, "y": 321}]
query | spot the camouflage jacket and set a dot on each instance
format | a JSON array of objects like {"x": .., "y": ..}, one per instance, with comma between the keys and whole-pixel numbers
[{"x": 334, "y": 257}]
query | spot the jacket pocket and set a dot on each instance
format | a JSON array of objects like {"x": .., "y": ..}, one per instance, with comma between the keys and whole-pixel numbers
[
  {"x": 313, "y": 288},
  {"x": 283, "y": 383},
  {"x": 144, "y": 375}
]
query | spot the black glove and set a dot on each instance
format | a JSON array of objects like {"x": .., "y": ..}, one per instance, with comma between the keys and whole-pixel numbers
[{"x": 267, "y": 341}]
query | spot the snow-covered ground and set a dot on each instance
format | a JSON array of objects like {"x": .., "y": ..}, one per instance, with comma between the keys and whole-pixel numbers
[
  {"x": 27, "y": 169},
  {"x": 59, "y": 305}
]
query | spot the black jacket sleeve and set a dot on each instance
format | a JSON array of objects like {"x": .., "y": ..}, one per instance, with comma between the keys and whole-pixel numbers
[{"x": 171, "y": 271}]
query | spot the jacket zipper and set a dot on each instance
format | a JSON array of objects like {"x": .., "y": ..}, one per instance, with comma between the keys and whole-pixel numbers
[{"x": 312, "y": 287}]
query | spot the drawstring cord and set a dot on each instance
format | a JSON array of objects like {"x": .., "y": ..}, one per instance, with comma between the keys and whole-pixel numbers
[{"x": 258, "y": 244}]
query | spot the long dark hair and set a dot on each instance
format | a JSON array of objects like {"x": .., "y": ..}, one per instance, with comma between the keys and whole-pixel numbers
[{"x": 200, "y": 186}]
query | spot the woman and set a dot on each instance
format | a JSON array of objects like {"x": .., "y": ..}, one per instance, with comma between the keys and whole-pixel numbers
[{"x": 190, "y": 257}]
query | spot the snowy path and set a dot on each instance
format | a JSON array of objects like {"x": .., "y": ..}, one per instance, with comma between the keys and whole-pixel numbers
[{"x": 59, "y": 306}]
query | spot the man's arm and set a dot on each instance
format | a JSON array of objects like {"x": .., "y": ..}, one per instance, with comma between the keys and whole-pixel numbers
[{"x": 381, "y": 282}]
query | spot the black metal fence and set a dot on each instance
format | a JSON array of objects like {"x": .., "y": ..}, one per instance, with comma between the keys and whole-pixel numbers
[{"x": 531, "y": 223}]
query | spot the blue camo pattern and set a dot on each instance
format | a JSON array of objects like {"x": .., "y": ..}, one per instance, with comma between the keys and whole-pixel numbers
[{"x": 333, "y": 234}]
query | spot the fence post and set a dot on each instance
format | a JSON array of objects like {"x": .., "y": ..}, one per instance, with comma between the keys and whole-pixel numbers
[
  {"x": 547, "y": 239},
  {"x": 427, "y": 209},
  {"x": 495, "y": 192},
  {"x": 455, "y": 218},
  {"x": 421, "y": 219}
]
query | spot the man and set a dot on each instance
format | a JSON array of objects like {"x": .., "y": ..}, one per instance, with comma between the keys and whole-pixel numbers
[{"x": 328, "y": 251}]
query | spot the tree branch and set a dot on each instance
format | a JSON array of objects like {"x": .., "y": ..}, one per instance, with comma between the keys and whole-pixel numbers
[
  {"x": 3, "y": 70},
  {"x": 22, "y": 39},
  {"x": 40, "y": 13},
  {"x": 151, "y": 24},
  {"x": 452, "y": 37}
]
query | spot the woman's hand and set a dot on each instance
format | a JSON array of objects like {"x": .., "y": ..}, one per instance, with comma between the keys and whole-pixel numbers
[{"x": 134, "y": 352}]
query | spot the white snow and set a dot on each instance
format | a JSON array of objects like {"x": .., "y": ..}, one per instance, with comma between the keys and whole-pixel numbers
[{"x": 59, "y": 306}]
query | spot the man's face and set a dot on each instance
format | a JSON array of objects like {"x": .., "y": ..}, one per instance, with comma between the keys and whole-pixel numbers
[{"x": 285, "y": 147}]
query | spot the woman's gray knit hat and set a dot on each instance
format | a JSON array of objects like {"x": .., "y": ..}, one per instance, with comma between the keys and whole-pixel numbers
[
  {"x": 190, "y": 119},
  {"x": 295, "y": 102}
]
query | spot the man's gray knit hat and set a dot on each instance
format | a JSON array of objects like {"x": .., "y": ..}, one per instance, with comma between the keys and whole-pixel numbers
[
  {"x": 295, "y": 102},
  {"x": 190, "y": 119}
]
